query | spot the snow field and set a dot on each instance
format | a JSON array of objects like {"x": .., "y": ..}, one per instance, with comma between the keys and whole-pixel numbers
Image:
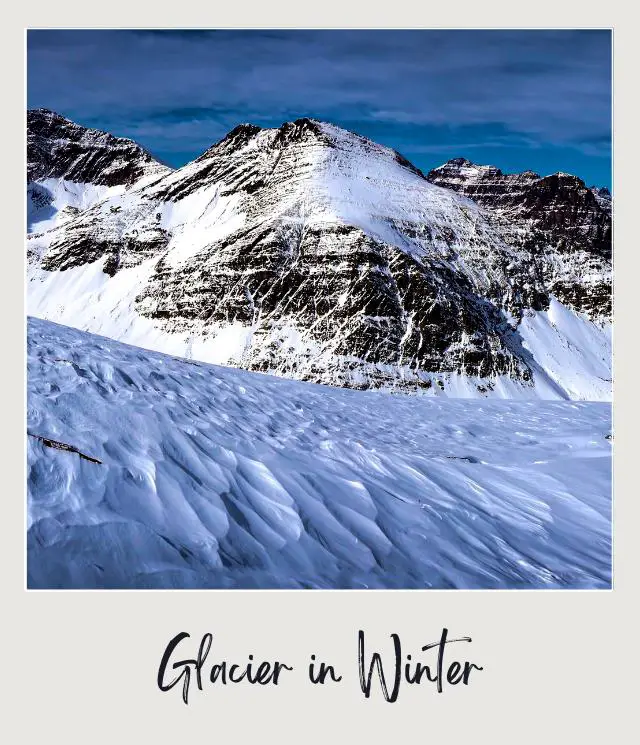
[{"x": 217, "y": 477}]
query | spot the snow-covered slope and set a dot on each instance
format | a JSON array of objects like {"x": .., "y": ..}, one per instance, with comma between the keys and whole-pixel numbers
[
  {"x": 573, "y": 353},
  {"x": 150, "y": 471},
  {"x": 313, "y": 253},
  {"x": 569, "y": 354},
  {"x": 70, "y": 168},
  {"x": 51, "y": 202}
]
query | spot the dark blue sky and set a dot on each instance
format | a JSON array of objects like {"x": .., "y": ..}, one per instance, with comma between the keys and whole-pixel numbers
[{"x": 538, "y": 100}]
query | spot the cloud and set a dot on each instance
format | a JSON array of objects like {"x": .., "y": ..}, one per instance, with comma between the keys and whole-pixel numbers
[{"x": 548, "y": 88}]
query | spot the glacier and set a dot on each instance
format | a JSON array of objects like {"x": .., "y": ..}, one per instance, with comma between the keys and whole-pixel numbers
[{"x": 151, "y": 471}]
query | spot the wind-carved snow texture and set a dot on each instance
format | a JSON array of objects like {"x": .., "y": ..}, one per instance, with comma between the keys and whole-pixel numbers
[
  {"x": 313, "y": 253},
  {"x": 150, "y": 471}
]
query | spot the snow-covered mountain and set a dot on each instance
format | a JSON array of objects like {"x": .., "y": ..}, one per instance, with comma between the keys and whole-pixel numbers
[
  {"x": 562, "y": 224},
  {"x": 311, "y": 252},
  {"x": 150, "y": 471},
  {"x": 59, "y": 148},
  {"x": 70, "y": 168}
]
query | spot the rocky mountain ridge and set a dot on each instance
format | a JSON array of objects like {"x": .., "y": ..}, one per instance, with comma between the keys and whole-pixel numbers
[
  {"x": 60, "y": 148},
  {"x": 564, "y": 225},
  {"x": 311, "y": 252}
]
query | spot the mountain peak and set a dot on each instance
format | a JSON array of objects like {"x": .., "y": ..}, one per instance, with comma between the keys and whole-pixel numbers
[
  {"x": 459, "y": 162},
  {"x": 603, "y": 197},
  {"x": 566, "y": 177},
  {"x": 304, "y": 124},
  {"x": 481, "y": 181},
  {"x": 235, "y": 139},
  {"x": 57, "y": 147},
  {"x": 463, "y": 169},
  {"x": 45, "y": 113},
  {"x": 303, "y": 132},
  {"x": 467, "y": 169}
]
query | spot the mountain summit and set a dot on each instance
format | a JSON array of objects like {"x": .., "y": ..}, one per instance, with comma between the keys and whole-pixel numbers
[
  {"x": 311, "y": 252},
  {"x": 59, "y": 148},
  {"x": 554, "y": 215}
]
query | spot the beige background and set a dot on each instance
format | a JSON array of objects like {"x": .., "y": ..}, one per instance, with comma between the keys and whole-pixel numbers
[{"x": 80, "y": 667}]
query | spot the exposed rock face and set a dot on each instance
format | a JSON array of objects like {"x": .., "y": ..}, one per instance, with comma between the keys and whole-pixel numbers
[
  {"x": 562, "y": 224},
  {"x": 59, "y": 148},
  {"x": 339, "y": 261}
]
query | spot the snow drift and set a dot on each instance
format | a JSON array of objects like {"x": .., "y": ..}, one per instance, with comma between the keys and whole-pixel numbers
[{"x": 149, "y": 471}]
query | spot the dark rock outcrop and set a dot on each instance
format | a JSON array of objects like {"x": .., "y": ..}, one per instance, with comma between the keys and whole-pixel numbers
[
  {"x": 563, "y": 225},
  {"x": 60, "y": 148}
]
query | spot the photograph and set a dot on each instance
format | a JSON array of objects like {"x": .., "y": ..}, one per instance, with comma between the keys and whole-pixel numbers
[{"x": 318, "y": 309}]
